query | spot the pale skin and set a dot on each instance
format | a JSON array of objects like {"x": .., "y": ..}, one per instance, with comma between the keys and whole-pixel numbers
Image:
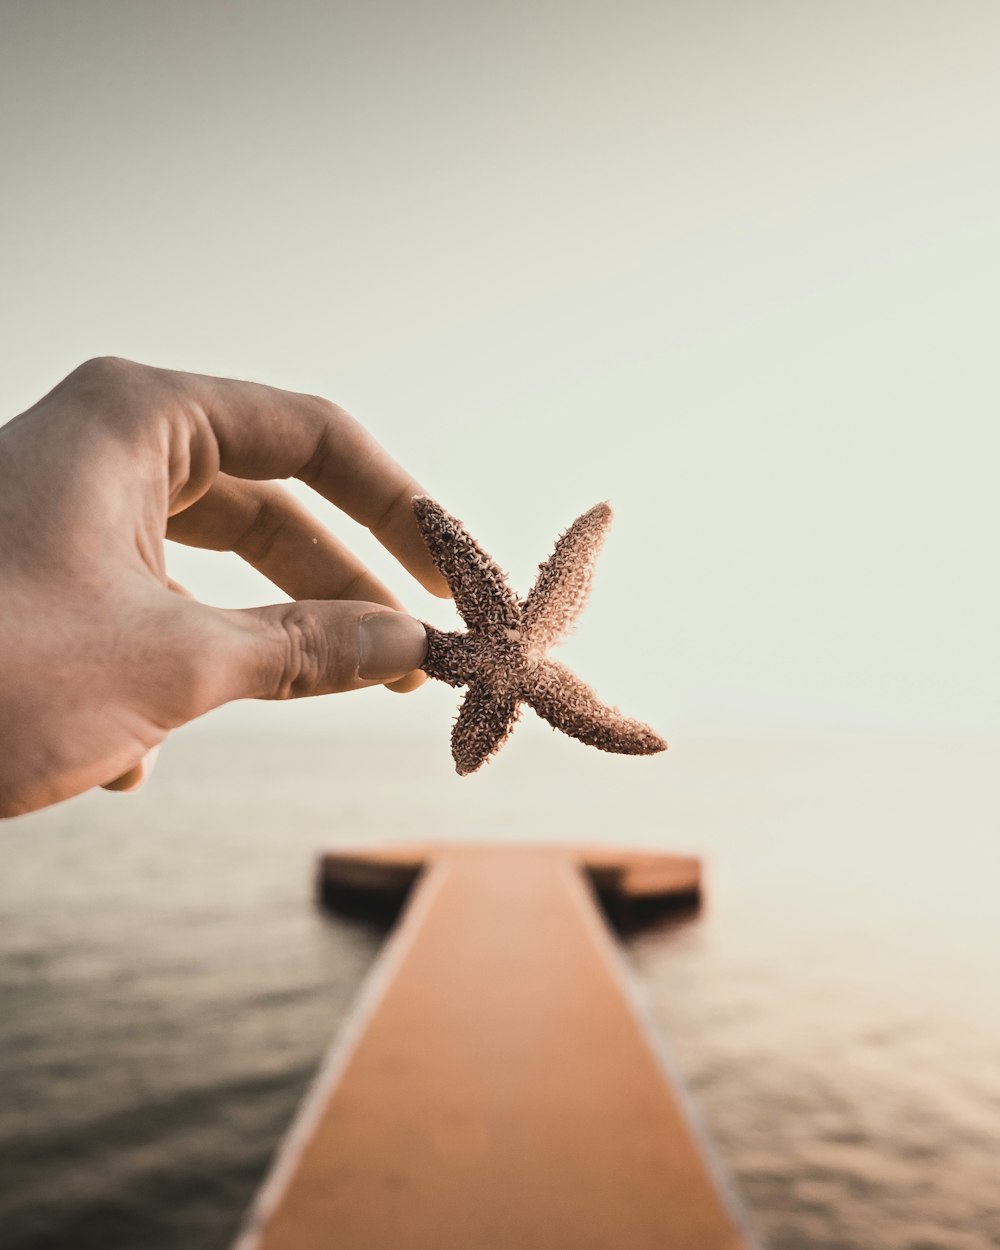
[{"x": 101, "y": 655}]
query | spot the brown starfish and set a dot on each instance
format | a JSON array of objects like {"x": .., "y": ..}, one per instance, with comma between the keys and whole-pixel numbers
[{"x": 501, "y": 657}]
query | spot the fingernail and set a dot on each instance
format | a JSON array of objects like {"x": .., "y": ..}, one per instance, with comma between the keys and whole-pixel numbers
[{"x": 390, "y": 644}]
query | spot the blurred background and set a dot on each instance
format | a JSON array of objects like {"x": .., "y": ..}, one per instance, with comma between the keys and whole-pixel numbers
[{"x": 733, "y": 267}]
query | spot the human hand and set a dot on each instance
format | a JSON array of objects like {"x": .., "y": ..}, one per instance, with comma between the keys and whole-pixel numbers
[{"x": 101, "y": 655}]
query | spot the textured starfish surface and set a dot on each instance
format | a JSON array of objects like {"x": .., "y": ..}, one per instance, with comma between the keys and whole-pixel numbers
[{"x": 501, "y": 656}]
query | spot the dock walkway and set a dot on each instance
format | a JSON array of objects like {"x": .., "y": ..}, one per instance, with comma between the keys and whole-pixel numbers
[{"x": 497, "y": 1088}]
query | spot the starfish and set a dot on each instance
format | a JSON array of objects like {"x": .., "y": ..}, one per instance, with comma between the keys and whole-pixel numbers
[{"x": 501, "y": 657}]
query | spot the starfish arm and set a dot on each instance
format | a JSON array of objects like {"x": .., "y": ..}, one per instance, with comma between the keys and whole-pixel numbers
[
  {"x": 480, "y": 587},
  {"x": 569, "y": 704},
  {"x": 563, "y": 582},
  {"x": 445, "y": 658},
  {"x": 484, "y": 723}
]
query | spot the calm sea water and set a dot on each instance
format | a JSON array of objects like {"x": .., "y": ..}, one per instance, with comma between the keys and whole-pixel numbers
[{"x": 167, "y": 984}]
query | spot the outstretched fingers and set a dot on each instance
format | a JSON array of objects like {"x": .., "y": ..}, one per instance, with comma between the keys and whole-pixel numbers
[
  {"x": 267, "y": 526},
  {"x": 260, "y": 433},
  {"x": 187, "y": 428}
]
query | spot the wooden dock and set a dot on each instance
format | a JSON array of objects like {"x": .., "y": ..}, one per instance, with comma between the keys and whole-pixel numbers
[{"x": 497, "y": 1088}]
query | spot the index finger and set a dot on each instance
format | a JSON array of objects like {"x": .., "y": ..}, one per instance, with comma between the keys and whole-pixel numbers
[{"x": 260, "y": 432}]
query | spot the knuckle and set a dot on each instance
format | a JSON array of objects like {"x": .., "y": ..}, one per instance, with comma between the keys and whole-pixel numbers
[
  {"x": 110, "y": 390},
  {"x": 100, "y": 372},
  {"x": 257, "y": 540},
  {"x": 399, "y": 503},
  {"x": 307, "y": 655},
  {"x": 330, "y": 420},
  {"x": 327, "y": 411}
]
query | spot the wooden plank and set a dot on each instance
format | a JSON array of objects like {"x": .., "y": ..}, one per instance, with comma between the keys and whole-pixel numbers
[{"x": 497, "y": 1089}]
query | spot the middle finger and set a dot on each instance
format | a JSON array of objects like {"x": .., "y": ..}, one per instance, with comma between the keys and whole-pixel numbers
[{"x": 266, "y": 525}]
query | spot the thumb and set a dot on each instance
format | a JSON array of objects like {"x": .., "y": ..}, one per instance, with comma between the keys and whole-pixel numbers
[{"x": 292, "y": 650}]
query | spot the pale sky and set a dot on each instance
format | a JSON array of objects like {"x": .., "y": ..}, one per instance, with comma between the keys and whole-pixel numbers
[{"x": 733, "y": 266}]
